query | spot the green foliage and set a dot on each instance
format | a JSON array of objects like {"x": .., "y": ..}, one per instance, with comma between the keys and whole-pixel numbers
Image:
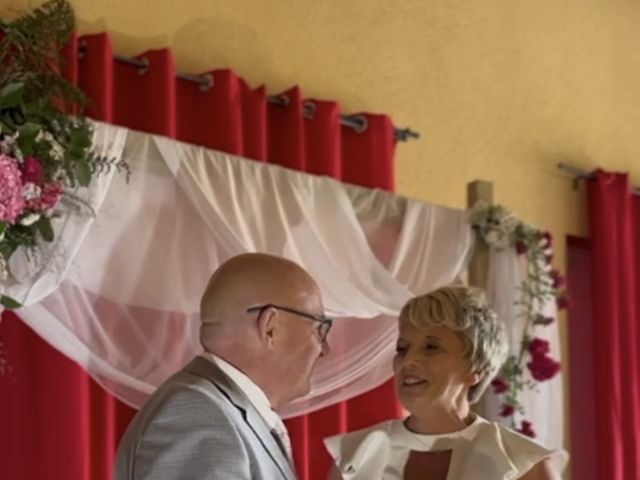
[{"x": 41, "y": 122}]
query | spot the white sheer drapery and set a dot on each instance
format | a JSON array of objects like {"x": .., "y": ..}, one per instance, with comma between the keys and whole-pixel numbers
[
  {"x": 121, "y": 297},
  {"x": 118, "y": 292}
]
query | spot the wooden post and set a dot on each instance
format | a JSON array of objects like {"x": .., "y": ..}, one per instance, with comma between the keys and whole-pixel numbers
[{"x": 479, "y": 190}]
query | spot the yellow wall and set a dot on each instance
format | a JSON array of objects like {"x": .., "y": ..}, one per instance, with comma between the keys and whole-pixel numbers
[{"x": 500, "y": 90}]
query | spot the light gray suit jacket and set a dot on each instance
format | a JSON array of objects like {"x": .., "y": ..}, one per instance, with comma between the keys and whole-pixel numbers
[{"x": 198, "y": 425}]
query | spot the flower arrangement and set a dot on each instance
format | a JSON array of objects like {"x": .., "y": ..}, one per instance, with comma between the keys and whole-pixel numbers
[
  {"x": 45, "y": 150},
  {"x": 499, "y": 229}
]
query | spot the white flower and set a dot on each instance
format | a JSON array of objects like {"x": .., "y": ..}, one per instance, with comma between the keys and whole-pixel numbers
[
  {"x": 491, "y": 237},
  {"x": 503, "y": 241},
  {"x": 6, "y": 146},
  {"x": 56, "y": 151},
  {"x": 510, "y": 223},
  {"x": 17, "y": 153},
  {"x": 30, "y": 219},
  {"x": 31, "y": 191}
]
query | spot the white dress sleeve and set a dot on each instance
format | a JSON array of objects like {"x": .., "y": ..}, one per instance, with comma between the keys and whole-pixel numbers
[
  {"x": 362, "y": 454},
  {"x": 525, "y": 452}
]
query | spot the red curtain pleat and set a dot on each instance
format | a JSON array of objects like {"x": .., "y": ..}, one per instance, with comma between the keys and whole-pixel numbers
[
  {"x": 286, "y": 132},
  {"x": 221, "y": 105},
  {"x": 95, "y": 77},
  {"x": 53, "y": 410},
  {"x": 615, "y": 235}
]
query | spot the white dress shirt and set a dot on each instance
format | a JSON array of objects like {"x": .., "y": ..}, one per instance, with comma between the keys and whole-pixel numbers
[{"x": 257, "y": 397}]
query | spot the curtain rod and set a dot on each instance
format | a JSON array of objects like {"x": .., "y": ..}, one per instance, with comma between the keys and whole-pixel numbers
[
  {"x": 580, "y": 174},
  {"x": 205, "y": 82},
  {"x": 577, "y": 173}
]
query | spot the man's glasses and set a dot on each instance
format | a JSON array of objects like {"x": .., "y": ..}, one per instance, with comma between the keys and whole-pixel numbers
[{"x": 324, "y": 323}]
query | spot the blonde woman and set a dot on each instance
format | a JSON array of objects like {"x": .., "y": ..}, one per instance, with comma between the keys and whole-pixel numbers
[{"x": 450, "y": 346}]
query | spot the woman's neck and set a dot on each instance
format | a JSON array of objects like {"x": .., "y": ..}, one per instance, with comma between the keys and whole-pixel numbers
[{"x": 440, "y": 420}]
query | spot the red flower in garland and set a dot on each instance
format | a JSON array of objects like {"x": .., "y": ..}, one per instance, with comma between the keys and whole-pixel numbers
[
  {"x": 521, "y": 247},
  {"x": 507, "y": 410},
  {"x": 538, "y": 347},
  {"x": 563, "y": 302},
  {"x": 527, "y": 429},
  {"x": 557, "y": 278},
  {"x": 499, "y": 385},
  {"x": 543, "y": 368}
]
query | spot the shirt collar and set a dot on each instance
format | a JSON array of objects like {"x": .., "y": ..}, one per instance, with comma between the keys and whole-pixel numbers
[{"x": 254, "y": 393}]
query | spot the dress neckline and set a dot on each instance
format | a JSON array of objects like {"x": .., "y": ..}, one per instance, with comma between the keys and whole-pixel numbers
[{"x": 422, "y": 442}]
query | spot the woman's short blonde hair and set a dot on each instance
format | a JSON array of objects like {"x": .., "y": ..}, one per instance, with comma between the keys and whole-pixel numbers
[{"x": 466, "y": 311}]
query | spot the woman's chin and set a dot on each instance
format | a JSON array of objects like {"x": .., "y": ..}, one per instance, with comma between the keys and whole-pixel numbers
[{"x": 412, "y": 399}]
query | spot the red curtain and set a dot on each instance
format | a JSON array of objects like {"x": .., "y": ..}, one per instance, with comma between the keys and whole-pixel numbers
[
  {"x": 56, "y": 422},
  {"x": 615, "y": 234},
  {"x": 583, "y": 413}
]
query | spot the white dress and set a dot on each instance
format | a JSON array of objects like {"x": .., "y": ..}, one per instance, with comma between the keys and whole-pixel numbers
[{"x": 481, "y": 451}]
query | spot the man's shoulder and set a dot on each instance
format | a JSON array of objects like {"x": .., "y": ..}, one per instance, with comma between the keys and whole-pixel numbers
[
  {"x": 187, "y": 414},
  {"x": 188, "y": 391}
]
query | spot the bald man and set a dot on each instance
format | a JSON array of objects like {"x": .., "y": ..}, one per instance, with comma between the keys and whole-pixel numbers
[{"x": 262, "y": 329}]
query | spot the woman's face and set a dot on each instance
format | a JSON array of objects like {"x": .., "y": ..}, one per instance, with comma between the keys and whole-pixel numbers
[{"x": 431, "y": 368}]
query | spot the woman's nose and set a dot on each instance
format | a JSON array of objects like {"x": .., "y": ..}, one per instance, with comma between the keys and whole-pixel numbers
[{"x": 409, "y": 359}]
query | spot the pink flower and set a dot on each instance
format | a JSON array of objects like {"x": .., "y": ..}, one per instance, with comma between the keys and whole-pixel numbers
[
  {"x": 31, "y": 171},
  {"x": 11, "y": 201},
  {"x": 48, "y": 198},
  {"x": 547, "y": 240},
  {"x": 507, "y": 410},
  {"x": 527, "y": 429},
  {"x": 499, "y": 385},
  {"x": 538, "y": 347},
  {"x": 50, "y": 195},
  {"x": 543, "y": 368}
]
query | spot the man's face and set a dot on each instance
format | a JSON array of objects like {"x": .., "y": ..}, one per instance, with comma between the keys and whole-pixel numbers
[{"x": 301, "y": 345}]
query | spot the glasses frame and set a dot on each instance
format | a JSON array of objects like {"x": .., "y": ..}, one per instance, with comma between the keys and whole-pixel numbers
[{"x": 324, "y": 323}]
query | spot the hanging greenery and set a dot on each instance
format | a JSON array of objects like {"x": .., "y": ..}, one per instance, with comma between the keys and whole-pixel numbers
[
  {"x": 45, "y": 142},
  {"x": 499, "y": 229}
]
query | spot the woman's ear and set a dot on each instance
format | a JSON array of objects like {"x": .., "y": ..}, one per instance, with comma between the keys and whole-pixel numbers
[
  {"x": 474, "y": 378},
  {"x": 267, "y": 323}
]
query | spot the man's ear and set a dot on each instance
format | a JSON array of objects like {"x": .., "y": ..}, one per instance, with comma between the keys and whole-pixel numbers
[{"x": 267, "y": 323}]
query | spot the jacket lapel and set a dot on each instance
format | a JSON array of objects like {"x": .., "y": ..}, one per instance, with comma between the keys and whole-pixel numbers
[{"x": 204, "y": 368}]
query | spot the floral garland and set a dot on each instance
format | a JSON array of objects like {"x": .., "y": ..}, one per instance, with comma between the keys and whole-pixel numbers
[
  {"x": 500, "y": 230},
  {"x": 45, "y": 153}
]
